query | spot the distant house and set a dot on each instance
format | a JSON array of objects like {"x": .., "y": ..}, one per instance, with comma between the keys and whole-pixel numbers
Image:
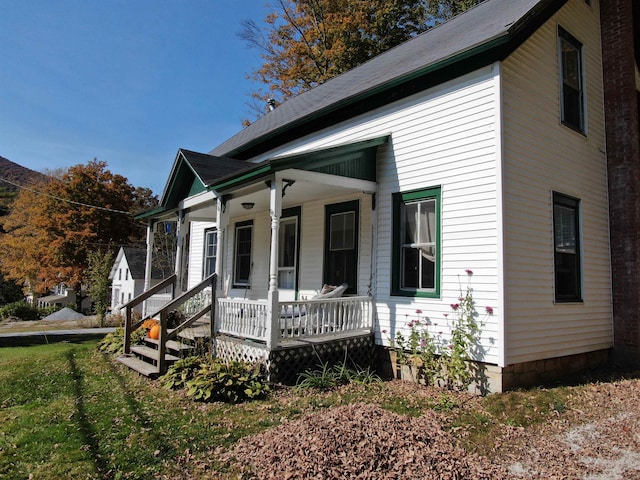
[
  {"x": 63, "y": 296},
  {"x": 128, "y": 276},
  {"x": 495, "y": 142}
]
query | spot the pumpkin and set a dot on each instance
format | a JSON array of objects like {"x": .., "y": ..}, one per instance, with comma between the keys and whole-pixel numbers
[{"x": 154, "y": 333}]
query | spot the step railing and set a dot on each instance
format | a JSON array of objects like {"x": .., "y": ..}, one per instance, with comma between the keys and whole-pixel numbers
[
  {"x": 129, "y": 325},
  {"x": 196, "y": 302}
]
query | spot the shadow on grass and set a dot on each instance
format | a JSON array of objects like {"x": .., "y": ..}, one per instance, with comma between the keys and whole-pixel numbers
[
  {"x": 41, "y": 339},
  {"x": 84, "y": 424}
]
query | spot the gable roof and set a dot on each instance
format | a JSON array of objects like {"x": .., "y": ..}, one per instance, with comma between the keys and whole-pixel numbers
[
  {"x": 191, "y": 173},
  {"x": 136, "y": 260},
  {"x": 484, "y": 34}
]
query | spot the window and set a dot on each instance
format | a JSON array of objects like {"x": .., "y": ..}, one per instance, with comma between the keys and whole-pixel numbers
[
  {"x": 288, "y": 249},
  {"x": 119, "y": 274},
  {"x": 416, "y": 243},
  {"x": 210, "y": 251},
  {"x": 126, "y": 274},
  {"x": 572, "y": 104},
  {"x": 566, "y": 246},
  {"x": 242, "y": 254}
]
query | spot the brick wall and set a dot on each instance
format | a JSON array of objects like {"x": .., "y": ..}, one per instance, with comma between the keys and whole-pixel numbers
[{"x": 623, "y": 156}]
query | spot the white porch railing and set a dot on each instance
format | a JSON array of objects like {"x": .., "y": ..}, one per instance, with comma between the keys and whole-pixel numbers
[{"x": 297, "y": 320}]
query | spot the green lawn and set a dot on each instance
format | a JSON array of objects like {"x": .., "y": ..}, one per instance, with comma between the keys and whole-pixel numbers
[{"x": 68, "y": 411}]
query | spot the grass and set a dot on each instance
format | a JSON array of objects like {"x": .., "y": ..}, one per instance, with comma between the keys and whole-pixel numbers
[{"x": 68, "y": 411}]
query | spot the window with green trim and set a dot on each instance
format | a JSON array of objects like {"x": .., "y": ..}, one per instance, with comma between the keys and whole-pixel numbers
[
  {"x": 566, "y": 246},
  {"x": 572, "y": 105},
  {"x": 242, "y": 254},
  {"x": 416, "y": 243}
]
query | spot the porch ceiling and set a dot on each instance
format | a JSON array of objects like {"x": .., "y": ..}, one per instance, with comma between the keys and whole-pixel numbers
[{"x": 307, "y": 187}]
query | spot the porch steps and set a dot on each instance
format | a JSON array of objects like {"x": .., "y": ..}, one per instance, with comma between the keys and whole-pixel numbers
[
  {"x": 135, "y": 363},
  {"x": 152, "y": 353}
]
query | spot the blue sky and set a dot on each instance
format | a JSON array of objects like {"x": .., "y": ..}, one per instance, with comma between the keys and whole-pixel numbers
[{"x": 124, "y": 81}]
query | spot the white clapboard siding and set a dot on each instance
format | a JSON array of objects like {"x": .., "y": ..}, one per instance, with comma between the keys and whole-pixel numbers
[
  {"x": 196, "y": 251},
  {"x": 541, "y": 156},
  {"x": 442, "y": 137}
]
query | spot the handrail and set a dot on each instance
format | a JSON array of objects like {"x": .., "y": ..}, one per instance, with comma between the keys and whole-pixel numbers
[
  {"x": 165, "y": 335},
  {"x": 129, "y": 327}
]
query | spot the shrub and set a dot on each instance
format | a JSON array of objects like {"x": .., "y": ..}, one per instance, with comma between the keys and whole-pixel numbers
[
  {"x": 181, "y": 372},
  {"x": 114, "y": 342},
  {"x": 231, "y": 382},
  {"x": 46, "y": 311},
  {"x": 21, "y": 310}
]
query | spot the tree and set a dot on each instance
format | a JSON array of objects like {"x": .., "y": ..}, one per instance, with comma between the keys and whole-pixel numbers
[
  {"x": 10, "y": 291},
  {"x": 54, "y": 225},
  {"x": 98, "y": 270},
  {"x": 307, "y": 42}
]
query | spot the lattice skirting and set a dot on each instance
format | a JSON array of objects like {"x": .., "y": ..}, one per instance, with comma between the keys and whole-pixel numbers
[{"x": 285, "y": 364}]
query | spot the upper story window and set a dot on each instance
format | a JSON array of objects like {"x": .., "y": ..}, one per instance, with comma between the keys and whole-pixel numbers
[
  {"x": 416, "y": 245},
  {"x": 242, "y": 254},
  {"x": 210, "y": 251},
  {"x": 566, "y": 245},
  {"x": 572, "y": 74}
]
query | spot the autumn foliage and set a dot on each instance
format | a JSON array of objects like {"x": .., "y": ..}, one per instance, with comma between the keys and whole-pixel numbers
[
  {"x": 306, "y": 42},
  {"x": 54, "y": 225}
]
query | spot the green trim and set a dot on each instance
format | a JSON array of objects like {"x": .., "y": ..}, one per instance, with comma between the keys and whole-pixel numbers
[
  {"x": 320, "y": 160},
  {"x": 350, "y": 206},
  {"x": 243, "y": 224},
  {"x": 399, "y": 199}
]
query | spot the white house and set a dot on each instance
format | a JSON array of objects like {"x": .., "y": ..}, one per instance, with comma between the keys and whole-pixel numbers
[
  {"x": 479, "y": 145},
  {"x": 128, "y": 276}
]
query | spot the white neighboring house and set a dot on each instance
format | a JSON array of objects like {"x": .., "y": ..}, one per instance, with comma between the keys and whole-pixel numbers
[{"x": 127, "y": 276}]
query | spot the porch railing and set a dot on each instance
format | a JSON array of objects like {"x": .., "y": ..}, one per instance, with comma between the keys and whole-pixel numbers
[{"x": 297, "y": 320}]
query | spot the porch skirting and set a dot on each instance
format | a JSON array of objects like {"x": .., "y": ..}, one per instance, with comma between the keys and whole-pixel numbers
[{"x": 285, "y": 362}]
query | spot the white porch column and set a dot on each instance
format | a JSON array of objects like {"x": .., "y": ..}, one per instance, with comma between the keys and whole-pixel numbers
[
  {"x": 275, "y": 210},
  {"x": 179, "y": 248},
  {"x": 148, "y": 260},
  {"x": 222, "y": 221}
]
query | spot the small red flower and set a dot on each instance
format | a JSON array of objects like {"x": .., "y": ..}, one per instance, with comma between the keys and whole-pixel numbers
[
  {"x": 418, "y": 311},
  {"x": 469, "y": 272},
  {"x": 384, "y": 331},
  {"x": 455, "y": 306},
  {"x": 489, "y": 310}
]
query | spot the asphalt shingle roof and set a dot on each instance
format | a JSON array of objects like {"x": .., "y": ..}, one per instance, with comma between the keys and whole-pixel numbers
[
  {"x": 210, "y": 167},
  {"x": 490, "y": 21}
]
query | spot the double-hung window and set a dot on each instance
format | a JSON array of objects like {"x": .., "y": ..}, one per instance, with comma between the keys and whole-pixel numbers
[
  {"x": 571, "y": 72},
  {"x": 210, "y": 251},
  {"x": 416, "y": 243},
  {"x": 242, "y": 254},
  {"x": 566, "y": 245}
]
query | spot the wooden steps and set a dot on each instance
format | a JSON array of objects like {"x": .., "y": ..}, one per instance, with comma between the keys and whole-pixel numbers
[{"x": 144, "y": 358}]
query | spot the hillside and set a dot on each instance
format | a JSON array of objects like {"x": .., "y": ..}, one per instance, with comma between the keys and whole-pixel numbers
[{"x": 17, "y": 174}]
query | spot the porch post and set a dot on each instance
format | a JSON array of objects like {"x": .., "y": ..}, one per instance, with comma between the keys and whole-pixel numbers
[
  {"x": 148, "y": 260},
  {"x": 178, "y": 265},
  {"x": 222, "y": 220},
  {"x": 273, "y": 312}
]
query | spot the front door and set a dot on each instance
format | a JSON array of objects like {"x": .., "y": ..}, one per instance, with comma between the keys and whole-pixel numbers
[
  {"x": 288, "y": 255},
  {"x": 341, "y": 244}
]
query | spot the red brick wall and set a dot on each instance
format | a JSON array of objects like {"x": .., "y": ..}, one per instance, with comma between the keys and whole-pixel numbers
[{"x": 623, "y": 156}]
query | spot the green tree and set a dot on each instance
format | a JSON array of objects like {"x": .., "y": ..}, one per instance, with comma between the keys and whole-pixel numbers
[
  {"x": 306, "y": 42},
  {"x": 10, "y": 291},
  {"x": 99, "y": 285}
]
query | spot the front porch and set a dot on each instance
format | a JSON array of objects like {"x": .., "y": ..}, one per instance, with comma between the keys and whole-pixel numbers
[{"x": 289, "y": 339}]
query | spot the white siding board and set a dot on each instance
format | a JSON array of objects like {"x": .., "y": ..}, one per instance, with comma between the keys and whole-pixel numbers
[{"x": 565, "y": 161}]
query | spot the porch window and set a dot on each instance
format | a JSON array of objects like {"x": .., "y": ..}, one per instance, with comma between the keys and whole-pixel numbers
[
  {"x": 566, "y": 244},
  {"x": 242, "y": 254},
  {"x": 416, "y": 243},
  {"x": 288, "y": 249},
  {"x": 572, "y": 104},
  {"x": 210, "y": 249}
]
